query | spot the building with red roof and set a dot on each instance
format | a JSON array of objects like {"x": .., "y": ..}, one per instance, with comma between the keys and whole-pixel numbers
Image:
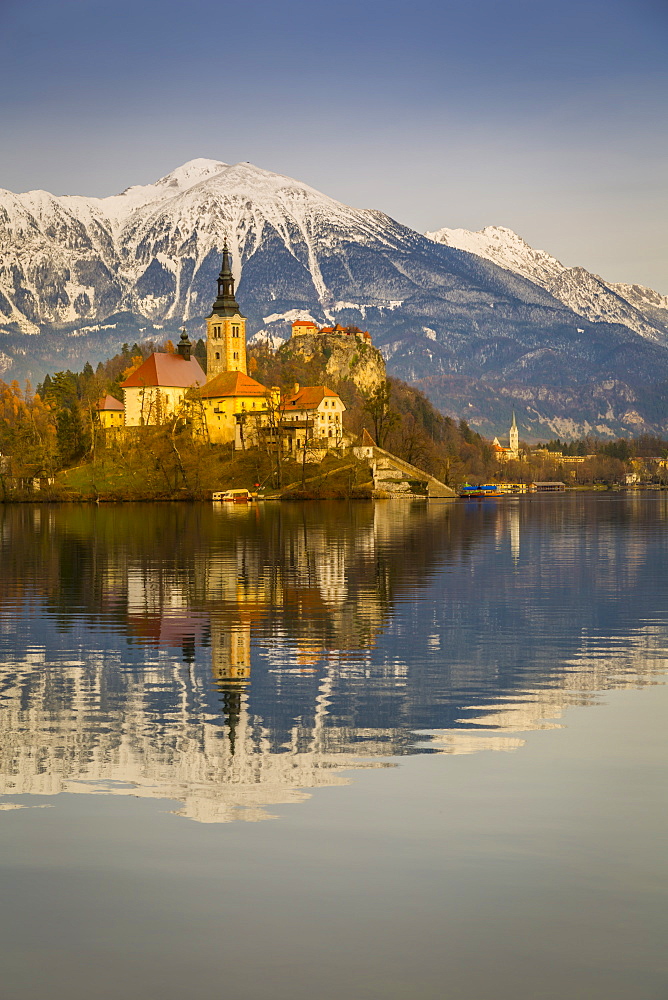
[
  {"x": 156, "y": 390},
  {"x": 229, "y": 396},
  {"x": 312, "y": 414},
  {"x": 110, "y": 412},
  {"x": 302, "y": 327}
]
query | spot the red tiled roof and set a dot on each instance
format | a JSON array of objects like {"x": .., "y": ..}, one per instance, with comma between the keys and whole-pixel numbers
[
  {"x": 308, "y": 397},
  {"x": 367, "y": 440},
  {"x": 108, "y": 403},
  {"x": 232, "y": 384},
  {"x": 304, "y": 322},
  {"x": 166, "y": 370}
]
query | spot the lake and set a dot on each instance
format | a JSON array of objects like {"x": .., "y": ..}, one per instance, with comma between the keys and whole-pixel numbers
[{"x": 339, "y": 750}]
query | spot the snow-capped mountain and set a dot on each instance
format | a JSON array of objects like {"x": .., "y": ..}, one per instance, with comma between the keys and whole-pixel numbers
[
  {"x": 78, "y": 276},
  {"x": 641, "y": 309}
]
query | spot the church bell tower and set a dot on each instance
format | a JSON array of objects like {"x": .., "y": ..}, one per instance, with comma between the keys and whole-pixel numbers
[
  {"x": 225, "y": 327},
  {"x": 514, "y": 438}
]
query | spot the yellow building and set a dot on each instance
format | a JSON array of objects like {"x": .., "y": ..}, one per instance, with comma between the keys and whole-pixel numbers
[
  {"x": 226, "y": 396},
  {"x": 156, "y": 391},
  {"x": 110, "y": 412},
  {"x": 225, "y": 327},
  {"x": 304, "y": 326}
]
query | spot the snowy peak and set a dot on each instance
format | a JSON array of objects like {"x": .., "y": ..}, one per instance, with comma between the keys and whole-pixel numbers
[
  {"x": 503, "y": 247},
  {"x": 190, "y": 173},
  {"x": 118, "y": 207},
  {"x": 154, "y": 249},
  {"x": 641, "y": 309}
]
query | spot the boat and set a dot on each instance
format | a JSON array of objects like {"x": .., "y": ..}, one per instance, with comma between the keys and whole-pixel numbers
[
  {"x": 494, "y": 490},
  {"x": 234, "y": 496}
]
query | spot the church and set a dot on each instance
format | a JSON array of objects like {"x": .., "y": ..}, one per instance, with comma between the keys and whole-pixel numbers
[
  {"x": 508, "y": 454},
  {"x": 232, "y": 406}
]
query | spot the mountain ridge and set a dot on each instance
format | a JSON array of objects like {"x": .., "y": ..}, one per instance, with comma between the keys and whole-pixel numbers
[
  {"x": 78, "y": 276},
  {"x": 641, "y": 309}
]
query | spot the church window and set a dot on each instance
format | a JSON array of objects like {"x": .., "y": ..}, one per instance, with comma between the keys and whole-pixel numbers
[
  {"x": 235, "y": 355},
  {"x": 217, "y": 356},
  {"x": 235, "y": 331}
]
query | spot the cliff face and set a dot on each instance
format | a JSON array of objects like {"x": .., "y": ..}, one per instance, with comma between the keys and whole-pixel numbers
[{"x": 341, "y": 358}]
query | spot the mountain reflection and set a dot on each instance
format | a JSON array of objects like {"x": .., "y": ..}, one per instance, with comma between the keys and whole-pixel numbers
[{"x": 231, "y": 658}]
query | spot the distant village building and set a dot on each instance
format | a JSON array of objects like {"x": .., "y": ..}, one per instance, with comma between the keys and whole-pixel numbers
[
  {"x": 512, "y": 451},
  {"x": 110, "y": 412},
  {"x": 156, "y": 391}
]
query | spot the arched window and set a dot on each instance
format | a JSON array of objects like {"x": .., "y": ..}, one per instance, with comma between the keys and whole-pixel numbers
[{"x": 217, "y": 356}]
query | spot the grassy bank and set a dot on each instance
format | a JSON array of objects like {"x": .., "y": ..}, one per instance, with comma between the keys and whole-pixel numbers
[{"x": 157, "y": 468}]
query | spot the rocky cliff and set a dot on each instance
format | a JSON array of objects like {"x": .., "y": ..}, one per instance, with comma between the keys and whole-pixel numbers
[{"x": 341, "y": 359}]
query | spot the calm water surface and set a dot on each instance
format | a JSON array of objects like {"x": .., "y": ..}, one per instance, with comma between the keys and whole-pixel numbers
[{"x": 313, "y": 752}]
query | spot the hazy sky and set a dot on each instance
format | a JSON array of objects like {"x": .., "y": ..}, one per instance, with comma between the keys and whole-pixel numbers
[{"x": 548, "y": 118}]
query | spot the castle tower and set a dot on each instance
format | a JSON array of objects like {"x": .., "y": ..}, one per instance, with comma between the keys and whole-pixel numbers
[
  {"x": 514, "y": 438},
  {"x": 225, "y": 327}
]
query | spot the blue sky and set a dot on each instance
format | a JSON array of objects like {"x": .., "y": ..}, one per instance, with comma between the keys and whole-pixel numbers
[{"x": 549, "y": 118}]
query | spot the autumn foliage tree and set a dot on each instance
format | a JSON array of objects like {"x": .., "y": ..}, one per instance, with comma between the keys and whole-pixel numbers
[{"x": 28, "y": 432}]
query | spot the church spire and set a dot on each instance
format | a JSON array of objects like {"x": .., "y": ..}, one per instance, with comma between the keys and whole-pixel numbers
[
  {"x": 514, "y": 439},
  {"x": 225, "y": 326},
  {"x": 226, "y": 304}
]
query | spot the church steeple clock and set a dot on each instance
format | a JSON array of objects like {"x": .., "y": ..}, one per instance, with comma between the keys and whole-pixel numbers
[{"x": 225, "y": 327}]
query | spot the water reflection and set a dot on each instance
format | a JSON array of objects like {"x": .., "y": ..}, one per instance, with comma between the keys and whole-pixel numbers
[{"x": 232, "y": 658}]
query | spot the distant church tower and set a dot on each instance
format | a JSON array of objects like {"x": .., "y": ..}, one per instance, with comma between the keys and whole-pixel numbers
[
  {"x": 514, "y": 438},
  {"x": 225, "y": 327}
]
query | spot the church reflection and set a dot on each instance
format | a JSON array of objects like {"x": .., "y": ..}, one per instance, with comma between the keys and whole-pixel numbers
[{"x": 233, "y": 659}]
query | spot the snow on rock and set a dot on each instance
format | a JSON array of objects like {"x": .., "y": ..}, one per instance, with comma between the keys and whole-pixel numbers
[
  {"x": 268, "y": 338},
  {"x": 503, "y": 247},
  {"x": 641, "y": 309},
  {"x": 291, "y": 316}
]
